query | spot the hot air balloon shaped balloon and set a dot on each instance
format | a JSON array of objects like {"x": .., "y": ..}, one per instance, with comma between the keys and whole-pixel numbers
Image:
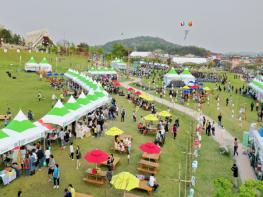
[
  {"x": 182, "y": 24},
  {"x": 190, "y": 23}
]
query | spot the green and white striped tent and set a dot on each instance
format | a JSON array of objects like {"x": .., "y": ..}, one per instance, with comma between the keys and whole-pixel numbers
[
  {"x": 186, "y": 76},
  {"x": 22, "y": 130},
  {"x": 60, "y": 115},
  {"x": 257, "y": 85},
  {"x": 32, "y": 65},
  {"x": 7, "y": 142}
]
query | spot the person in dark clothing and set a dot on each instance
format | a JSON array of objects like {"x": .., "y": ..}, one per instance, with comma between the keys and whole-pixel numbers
[
  {"x": 208, "y": 129},
  {"x": 19, "y": 193},
  {"x": 40, "y": 158},
  {"x": 204, "y": 121},
  {"x": 227, "y": 101},
  {"x": 252, "y": 106},
  {"x": 67, "y": 193},
  {"x": 122, "y": 115},
  {"x": 235, "y": 147},
  {"x": 235, "y": 174},
  {"x": 220, "y": 120}
]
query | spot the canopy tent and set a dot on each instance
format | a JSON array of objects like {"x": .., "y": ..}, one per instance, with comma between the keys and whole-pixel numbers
[
  {"x": 118, "y": 64},
  {"x": 170, "y": 76},
  {"x": 7, "y": 142},
  {"x": 45, "y": 66},
  {"x": 257, "y": 137},
  {"x": 257, "y": 85},
  {"x": 102, "y": 71},
  {"x": 23, "y": 130},
  {"x": 60, "y": 115},
  {"x": 32, "y": 65},
  {"x": 186, "y": 76}
]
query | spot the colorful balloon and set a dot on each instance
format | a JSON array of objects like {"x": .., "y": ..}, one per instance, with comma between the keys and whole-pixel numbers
[
  {"x": 182, "y": 23},
  {"x": 190, "y": 23}
]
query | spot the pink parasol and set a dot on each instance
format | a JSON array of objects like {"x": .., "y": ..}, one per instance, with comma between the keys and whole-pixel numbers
[{"x": 96, "y": 156}]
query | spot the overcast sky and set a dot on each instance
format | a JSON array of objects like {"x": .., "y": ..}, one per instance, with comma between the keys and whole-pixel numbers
[{"x": 221, "y": 26}]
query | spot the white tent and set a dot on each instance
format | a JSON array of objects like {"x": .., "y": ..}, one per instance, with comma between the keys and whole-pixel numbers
[
  {"x": 170, "y": 76},
  {"x": 31, "y": 65},
  {"x": 24, "y": 130},
  {"x": 59, "y": 115},
  {"x": 257, "y": 85},
  {"x": 186, "y": 76},
  {"x": 194, "y": 60},
  {"x": 7, "y": 142},
  {"x": 45, "y": 66}
]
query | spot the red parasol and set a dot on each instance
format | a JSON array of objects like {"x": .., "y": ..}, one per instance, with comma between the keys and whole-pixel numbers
[
  {"x": 150, "y": 148},
  {"x": 48, "y": 126},
  {"x": 194, "y": 87},
  {"x": 96, "y": 156},
  {"x": 117, "y": 84},
  {"x": 137, "y": 93},
  {"x": 130, "y": 89}
]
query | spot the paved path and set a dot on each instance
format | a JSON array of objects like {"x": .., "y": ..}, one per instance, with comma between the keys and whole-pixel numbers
[{"x": 223, "y": 137}]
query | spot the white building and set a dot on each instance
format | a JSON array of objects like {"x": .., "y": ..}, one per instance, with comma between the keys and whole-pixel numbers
[
  {"x": 38, "y": 38},
  {"x": 194, "y": 60},
  {"x": 141, "y": 54}
]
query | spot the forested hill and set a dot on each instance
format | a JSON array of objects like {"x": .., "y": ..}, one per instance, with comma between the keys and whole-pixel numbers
[{"x": 147, "y": 43}]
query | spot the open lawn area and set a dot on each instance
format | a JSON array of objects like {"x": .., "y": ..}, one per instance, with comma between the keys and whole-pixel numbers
[{"x": 211, "y": 163}]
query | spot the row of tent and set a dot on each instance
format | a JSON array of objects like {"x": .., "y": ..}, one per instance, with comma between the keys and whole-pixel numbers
[
  {"x": 20, "y": 131},
  {"x": 257, "y": 85},
  {"x": 102, "y": 71},
  {"x": 33, "y": 66},
  {"x": 172, "y": 75}
]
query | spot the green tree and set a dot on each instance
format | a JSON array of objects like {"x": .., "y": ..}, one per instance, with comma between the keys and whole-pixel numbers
[
  {"x": 223, "y": 187},
  {"x": 119, "y": 51},
  {"x": 83, "y": 47},
  {"x": 6, "y": 35}
]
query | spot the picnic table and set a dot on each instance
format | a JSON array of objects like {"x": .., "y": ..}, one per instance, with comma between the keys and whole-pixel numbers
[
  {"x": 123, "y": 136},
  {"x": 149, "y": 163},
  {"x": 129, "y": 195},
  {"x": 150, "y": 131},
  {"x": 99, "y": 178},
  {"x": 3, "y": 117},
  {"x": 146, "y": 169},
  {"x": 143, "y": 185},
  {"x": 154, "y": 157},
  {"x": 115, "y": 163}
]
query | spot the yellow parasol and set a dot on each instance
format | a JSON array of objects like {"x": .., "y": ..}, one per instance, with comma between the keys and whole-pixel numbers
[
  {"x": 114, "y": 131},
  {"x": 164, "y": 114},
  {"x": 125, "y": 181},
  {"x": 150, "y": 117},
  {"x": 146, "y": 97},
  {"x": 207, "y": 89},
  {"x": 185, "y": 87}
]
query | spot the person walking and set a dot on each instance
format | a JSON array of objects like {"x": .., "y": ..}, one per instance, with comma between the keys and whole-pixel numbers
[
  {"x": 219, "y": 117},
  {"x": 175, "y": 130},
  {"x": 122, "y": 115},
  {"x": 235, "y": 147},
  {"x": 213, "y": 128},
  {"x": 78, "y": 157},
  {"x": 51, "y": 167},
  {"x": 56, "y": 176},
  {"x": 134, "y": 116},
  {"x": 235, "y": 175},
  {"x": 71, "y": 149},
  {"x": 30, "y": 115},
  {"x": 47, "y": 155}
]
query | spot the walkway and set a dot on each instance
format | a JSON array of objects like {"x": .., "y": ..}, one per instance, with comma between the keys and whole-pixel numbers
[{"x": 223, "y": 137}]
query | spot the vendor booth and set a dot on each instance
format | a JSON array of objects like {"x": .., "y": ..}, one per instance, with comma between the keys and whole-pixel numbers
[
  {"x": 186, "y": 76},
  {"x": 172, "y": 75},
  {"x": 257, "y": 85},
  {"x": 45, "y": 66},
  {"x": 32, "y": 65},
  {"x": 255, "y": 150}
]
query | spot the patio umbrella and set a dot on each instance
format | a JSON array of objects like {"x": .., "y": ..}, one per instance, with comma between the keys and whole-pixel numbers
[
  {"x": 125, "y": 181},
  {"x": 150, "y": 117},
  {"x": 114, "y": 131},
  {"x": 185, "y": 87},
  {"x": 96, "y": 156},
  {"x": 206, "y": 88},
  {"x": 137, "y": 93},
  {"x": 165, "y": 114},
  {"x": 146, "y": 97},
  {"x": 194, "y": 87},
  {"x": 150, "y": 148},
  {"x": 130, "y": 89}
]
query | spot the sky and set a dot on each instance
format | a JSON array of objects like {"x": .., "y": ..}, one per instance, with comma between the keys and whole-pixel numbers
[{"x": 220, "y": 26}]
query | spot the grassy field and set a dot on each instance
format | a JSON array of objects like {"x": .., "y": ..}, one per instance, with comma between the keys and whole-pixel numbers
[
  {"x": 21, "y": 93},
  {"x": 232, "y": 124},
  {"x": 11, "y": 60}
]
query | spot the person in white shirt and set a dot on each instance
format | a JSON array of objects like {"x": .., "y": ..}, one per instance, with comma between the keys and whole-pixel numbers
[
  {"x": 152, "y": 183},
  {"x": 71, "y": 149},
  {"x": 61, "y": 136},
  {"x": 47, "y": 155}
]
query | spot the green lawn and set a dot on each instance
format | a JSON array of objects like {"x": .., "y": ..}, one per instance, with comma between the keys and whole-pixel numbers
[{"x": 21, "y": 93}]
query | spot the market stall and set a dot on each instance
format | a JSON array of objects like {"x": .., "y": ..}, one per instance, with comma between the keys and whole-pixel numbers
[
  {"x": 32, "y": 65},
  {"x": 45, "y": 66},
  {"x": 186, "y": 76},
  {"x": 172, "y": 75}
]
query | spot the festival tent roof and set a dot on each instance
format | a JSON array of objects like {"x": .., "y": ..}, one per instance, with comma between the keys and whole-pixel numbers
[
  {"x": 60, "y": 115},
  {"x": 257, "y": 85},
  {"x": 7, "y": 142},
  {"x": 23, "y": 129},
  {"x": 170, "y": 76},
  {"x": 32, "y": 60},
  {"x": 186, "y": 76},
  {"x": 31, "y": 65},
  {"x": 44, "y": 65}
]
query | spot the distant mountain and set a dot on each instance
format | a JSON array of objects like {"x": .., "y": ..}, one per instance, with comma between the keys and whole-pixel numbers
[{"x": 147, "y": 43}]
